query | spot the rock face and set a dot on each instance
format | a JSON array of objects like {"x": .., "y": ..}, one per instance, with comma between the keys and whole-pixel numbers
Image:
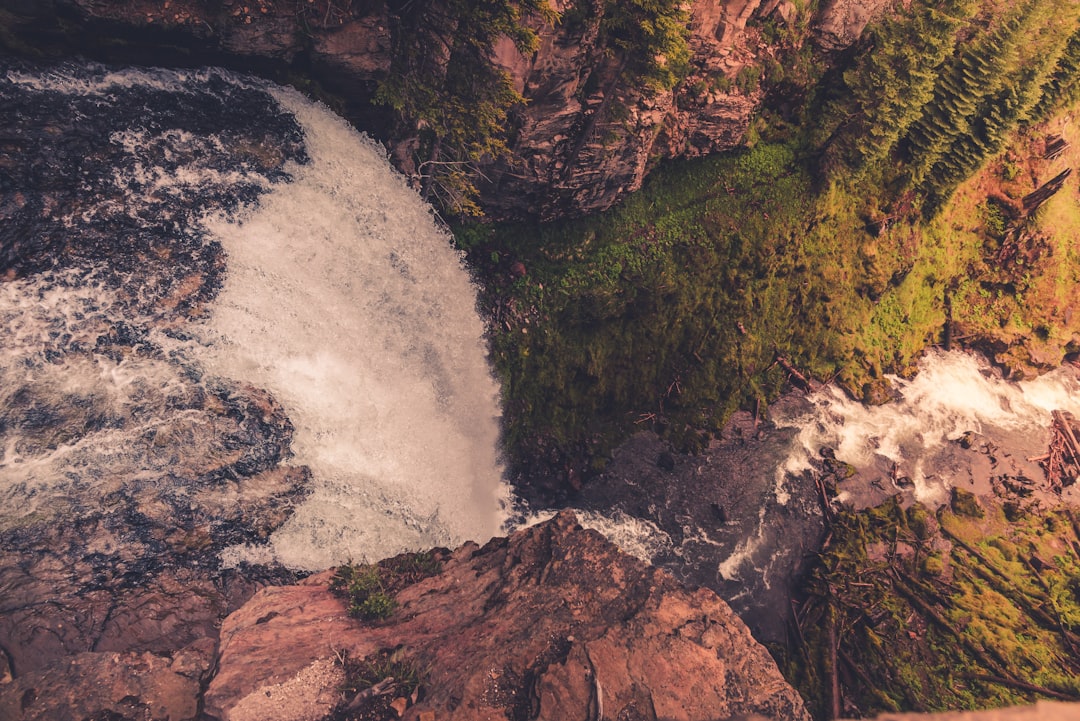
[
  {"x": 588, "y": 133},
  {"x": 842, "y": 21},
  {"x": 551, "y": 623}
]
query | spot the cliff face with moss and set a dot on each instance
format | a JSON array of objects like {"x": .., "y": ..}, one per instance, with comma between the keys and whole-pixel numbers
[{"x": 595, "y": 111}]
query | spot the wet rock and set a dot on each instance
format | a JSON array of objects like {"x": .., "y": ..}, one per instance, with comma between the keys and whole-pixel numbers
[
  {"x": 726, "y": 526},
  {"x": 126, "y": 469},
  {"x": 548, "y": 623}
]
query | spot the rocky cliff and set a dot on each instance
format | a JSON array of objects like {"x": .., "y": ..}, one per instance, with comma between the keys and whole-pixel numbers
[
  {"x": 552, "y": 622},
  {"x": 588, "y": 132}
]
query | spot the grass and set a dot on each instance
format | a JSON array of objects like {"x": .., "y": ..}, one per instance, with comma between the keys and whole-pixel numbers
[{"x": 369, "y": 589}]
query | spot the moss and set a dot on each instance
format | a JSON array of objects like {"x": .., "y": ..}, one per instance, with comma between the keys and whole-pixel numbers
[
  {"x": 930, "y": 629},
  {"x": 369, "y": 589},
  {"x": 964, "y": 503}
]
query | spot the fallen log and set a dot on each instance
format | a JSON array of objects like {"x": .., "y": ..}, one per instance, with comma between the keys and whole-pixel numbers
[
  {"x": 1044, "y": 192},
  {"x": 797, "y": 378}
]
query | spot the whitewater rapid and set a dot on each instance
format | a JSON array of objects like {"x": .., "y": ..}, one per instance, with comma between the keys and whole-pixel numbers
[
  {"x": 952, "y": 394},
  {"x": 348, "y": 303},
  {"x": 204, "y": 239}
]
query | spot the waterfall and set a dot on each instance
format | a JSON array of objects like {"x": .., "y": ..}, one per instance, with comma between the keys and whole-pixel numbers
[
  {"x": 196, "y": 251},
  {"x": 344, "y": 299}
]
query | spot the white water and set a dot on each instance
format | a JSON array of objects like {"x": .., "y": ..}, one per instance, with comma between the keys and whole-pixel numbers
[
  {"x": 952, "y": 393},
  {"x": 637, "y": 537},
  {"x": 345, "y": 301},
  {"x": 342, "y": 298}
]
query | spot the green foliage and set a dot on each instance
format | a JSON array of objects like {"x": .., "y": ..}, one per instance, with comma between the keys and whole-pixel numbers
[
  {"x": 367, "y": 672},
  {"x": 668, "y": 311},
  {"x": 748, "y": 79},
  {"x": 371, "y": 683},
  {"x": 1062, "y": 88},
  {"x": 937, "y": 93},
  {"x": 917, "y": 628},
  {"x": 651, "y": 35},
  {"x": 887, "y": 88},
  {"x": 363, "y": 587},
  {"x": 369, "y": 589},
  {"x": 444, "y": 87}
]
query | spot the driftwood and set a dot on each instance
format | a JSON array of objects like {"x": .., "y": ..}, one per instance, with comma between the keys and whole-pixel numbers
[
  {"x": 796, "y": 377},
  {"x": 1062, "y": 461},
  {"x": 1055, "y": 146},
  {"x": 823, "y": 498},
  {"x": 1044, "y": 192}
]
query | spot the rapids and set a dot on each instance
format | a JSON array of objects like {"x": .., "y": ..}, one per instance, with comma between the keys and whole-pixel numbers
[
  {"x": 237, "y": 340},
  {"x": 194, "y": 231}
]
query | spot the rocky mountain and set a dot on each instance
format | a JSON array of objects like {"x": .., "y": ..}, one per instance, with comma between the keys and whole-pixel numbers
[{"x": 588, "y": 132}]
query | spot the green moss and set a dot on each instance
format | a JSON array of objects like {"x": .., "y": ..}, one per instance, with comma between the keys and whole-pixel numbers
[
  {"x": 964, "y": 503},
  {"x": 815, "y": 244},
  {"x": 919, "y": 628}
]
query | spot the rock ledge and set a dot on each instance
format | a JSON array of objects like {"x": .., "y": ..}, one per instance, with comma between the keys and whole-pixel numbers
[{"x": 553, "y": 622}]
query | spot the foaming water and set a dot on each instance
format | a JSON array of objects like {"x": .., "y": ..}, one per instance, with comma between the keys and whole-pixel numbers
[
  {"x": 227, "y": 246},
  {"x": 637, "y": 537},
  {"x": 952, "y": 394},
  {"x": 346, "y": 302}
]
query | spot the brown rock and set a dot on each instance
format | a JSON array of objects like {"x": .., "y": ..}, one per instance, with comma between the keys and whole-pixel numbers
[
  {"x": 129, "y": 685},
  {"x": 841, "y": 22},
  {"x": 553, "y": 622}
]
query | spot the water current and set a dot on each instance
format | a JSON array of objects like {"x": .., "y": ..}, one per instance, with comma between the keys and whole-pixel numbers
[{"x": 192, "y": 231}]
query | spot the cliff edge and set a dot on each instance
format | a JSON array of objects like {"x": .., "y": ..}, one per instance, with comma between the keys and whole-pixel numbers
[
  {"x": 588, "y": 132},
  {"x": 552, "y": 622}
]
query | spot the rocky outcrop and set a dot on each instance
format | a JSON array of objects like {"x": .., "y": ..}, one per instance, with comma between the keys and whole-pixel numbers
[
  {"x": 841, "y": 22},
  {"x": 588, "y": 133},
  {"x": 552, "y": 622}
]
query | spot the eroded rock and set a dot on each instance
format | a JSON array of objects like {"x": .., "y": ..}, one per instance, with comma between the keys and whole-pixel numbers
[
  {"x": 552, "y": 622},
  {"x": 588, "y": 133}
]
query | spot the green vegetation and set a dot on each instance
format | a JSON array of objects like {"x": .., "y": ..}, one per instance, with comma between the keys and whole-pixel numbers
[
  {"x": 370, "y": 589},
  {"x": 651, "y": 38},
  {"x": 882, "y": 217},
  {"x": 444, "y": 87},
  {"x": 963, "y": 610}
]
